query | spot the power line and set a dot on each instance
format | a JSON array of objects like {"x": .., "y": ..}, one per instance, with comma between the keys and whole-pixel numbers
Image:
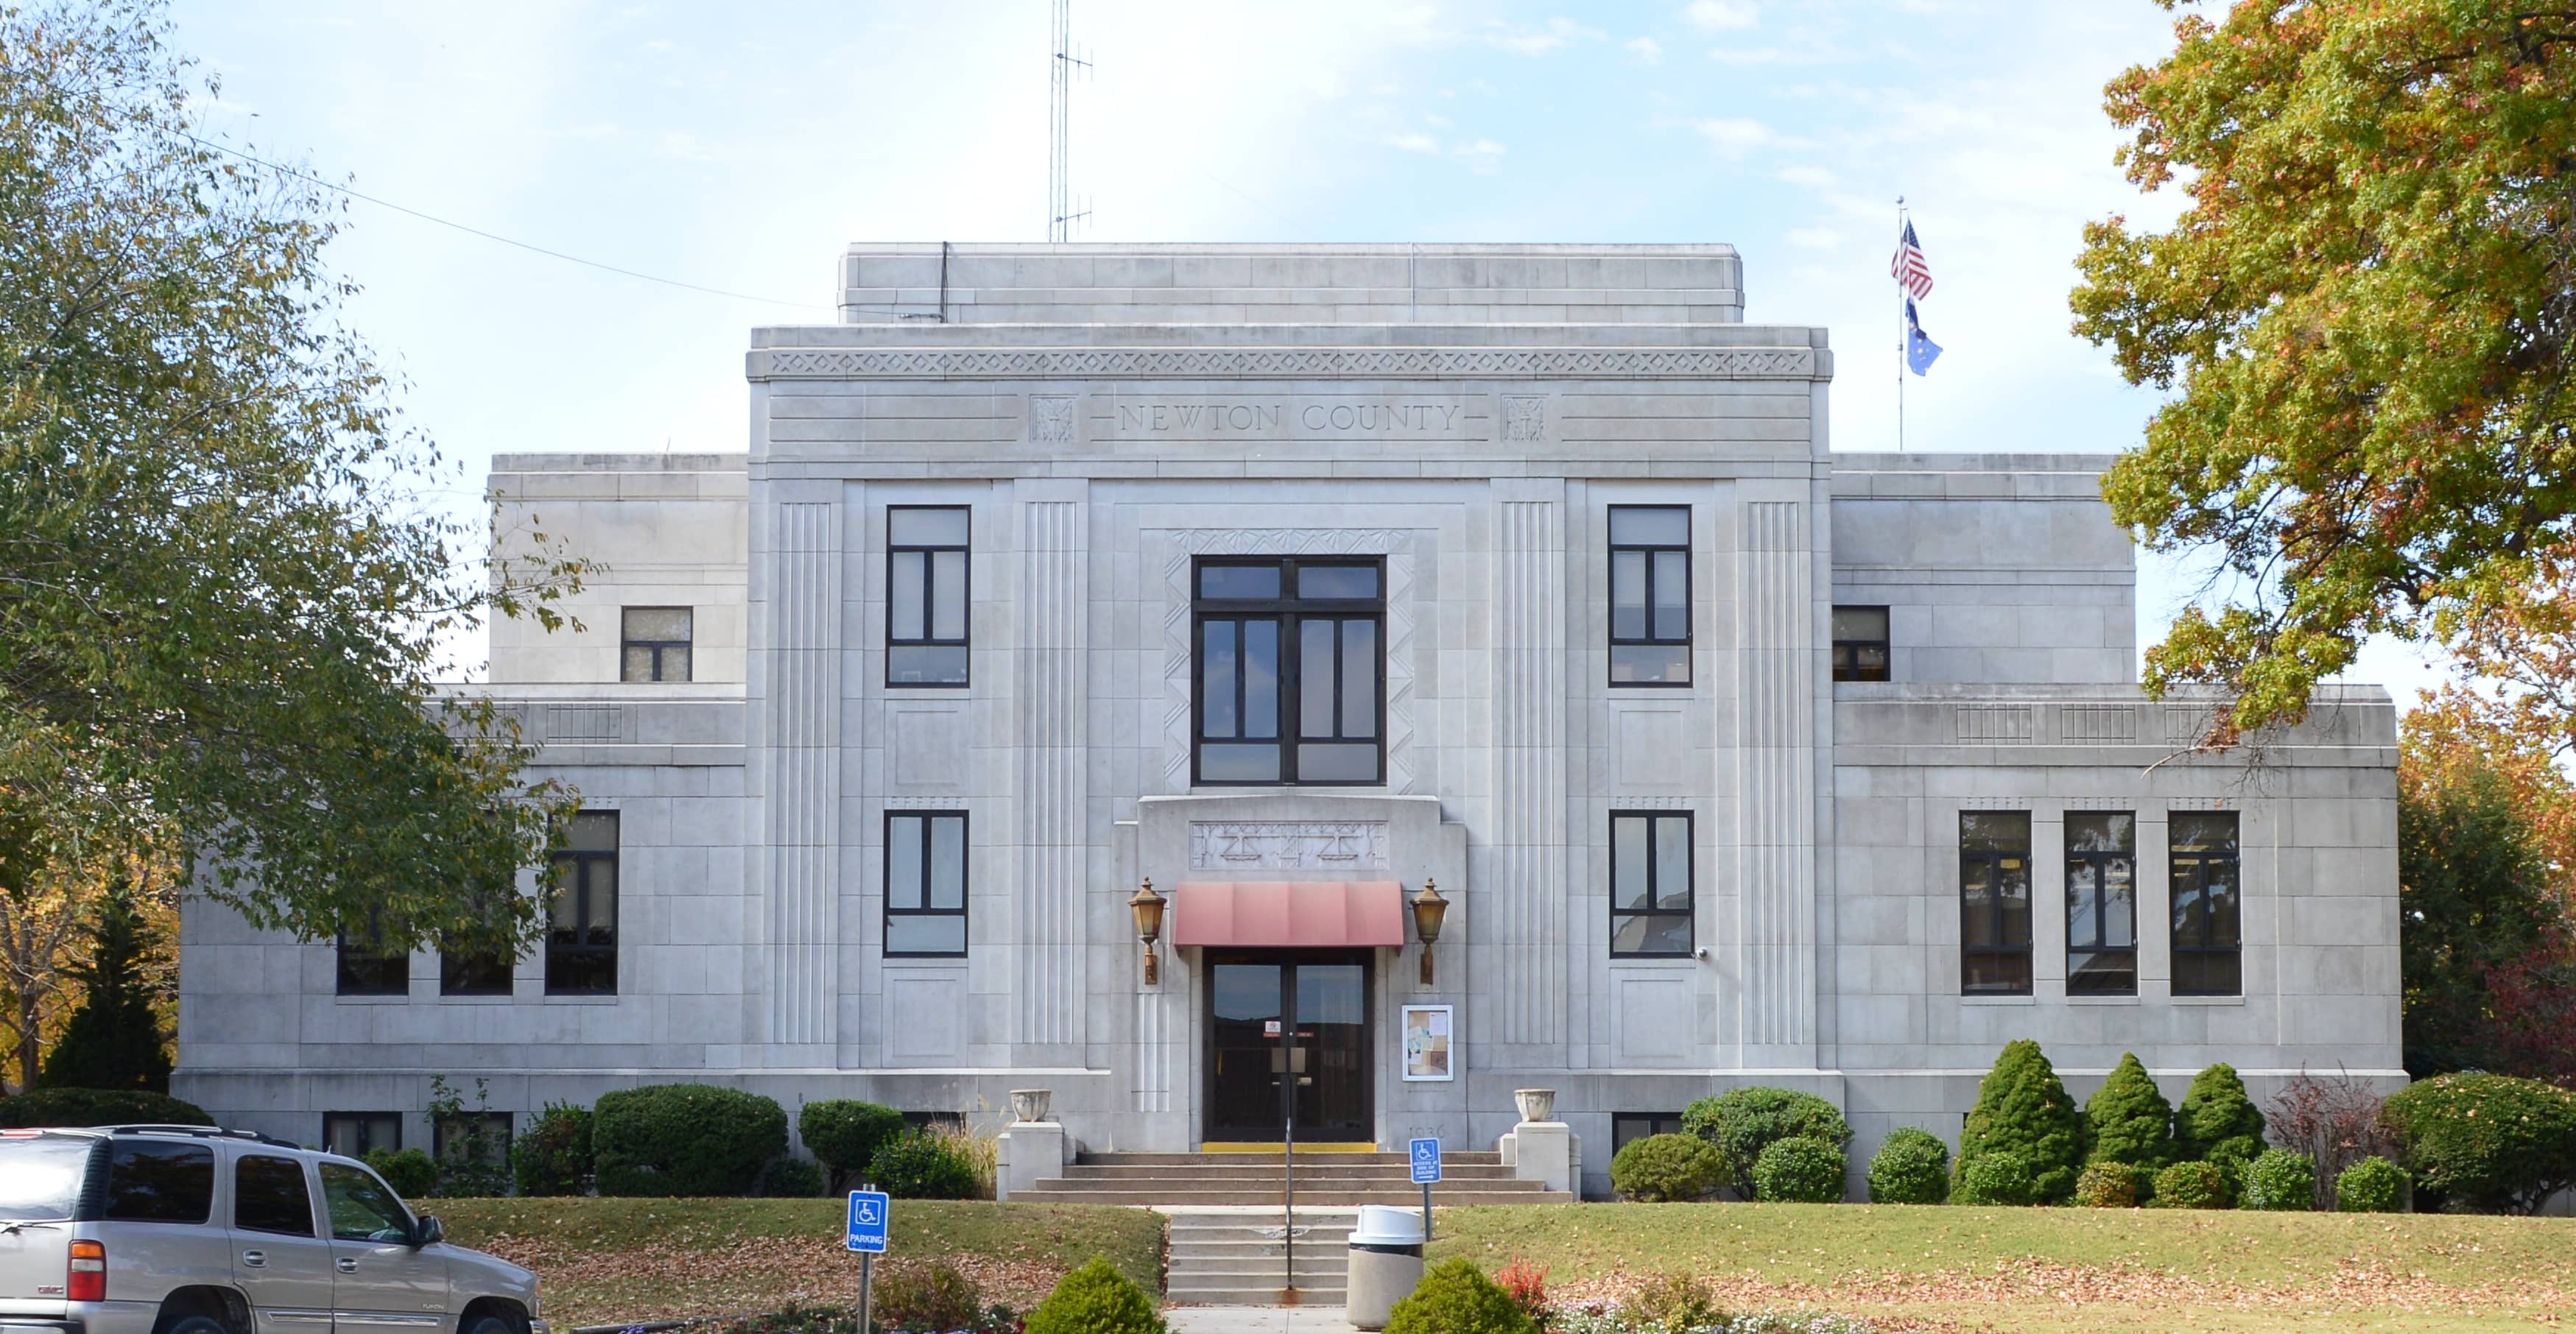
[{"x": 523, "y": 245}]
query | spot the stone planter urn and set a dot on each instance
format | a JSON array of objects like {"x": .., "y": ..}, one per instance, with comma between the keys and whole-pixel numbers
[
  {"x": 1030, "y": 1104},
  {"x": 1536, "y": 1104}
]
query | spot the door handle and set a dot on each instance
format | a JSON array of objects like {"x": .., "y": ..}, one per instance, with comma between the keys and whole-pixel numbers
[
  {"x": 254, "y": 1258},
  {"x": 348, "y": 1264}
]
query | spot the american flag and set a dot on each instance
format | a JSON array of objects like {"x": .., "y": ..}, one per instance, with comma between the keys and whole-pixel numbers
[{"x": 1908, "y": 267}]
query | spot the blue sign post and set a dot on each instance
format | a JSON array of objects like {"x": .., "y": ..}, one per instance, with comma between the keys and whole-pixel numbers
[
  {"x": 867, "y": 1236},
  {"x": 1425, "y": 1154}
]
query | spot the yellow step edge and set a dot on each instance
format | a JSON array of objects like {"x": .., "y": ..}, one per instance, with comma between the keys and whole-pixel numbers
[{"x": 1275, "y": 1146}]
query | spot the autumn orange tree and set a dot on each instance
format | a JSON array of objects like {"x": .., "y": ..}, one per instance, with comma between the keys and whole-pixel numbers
[{"x": 2367, "y": 316}]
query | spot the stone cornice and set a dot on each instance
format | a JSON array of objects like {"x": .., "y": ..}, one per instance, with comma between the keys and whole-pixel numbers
[{"x": 1292, "y": 363}]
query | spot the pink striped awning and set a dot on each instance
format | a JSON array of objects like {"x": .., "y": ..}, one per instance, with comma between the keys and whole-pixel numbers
[{"x": 1288, "y": 913}]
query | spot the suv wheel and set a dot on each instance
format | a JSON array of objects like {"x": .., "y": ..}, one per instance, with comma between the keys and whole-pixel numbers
[
  {"x": 195, "y": 1324},
  {"x": 485, "y": 1324}
]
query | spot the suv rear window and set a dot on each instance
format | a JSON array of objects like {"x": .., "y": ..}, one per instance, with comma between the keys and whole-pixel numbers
[
  {"x": 41, "y": 1176},
  {"x": 269, "y": 1196},
  {"x": 149, "y": 1182}
]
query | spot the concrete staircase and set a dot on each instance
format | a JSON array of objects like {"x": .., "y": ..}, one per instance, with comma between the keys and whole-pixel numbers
[
  {"x": 1324, "y": 1180},
  {"x": 1228, "y": 1231}
]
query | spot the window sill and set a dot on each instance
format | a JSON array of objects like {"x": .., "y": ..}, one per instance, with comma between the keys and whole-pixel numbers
[
  {"x": 1655, "y": 962},
  {"x": 2102, "y": 1000},
  {"x": 2238, "y": 999},
  {"x": 1998, "y": 1000},
  {"x": 480, "y": 998},
  {"x": 581, "y": 998},
  {"x": 403, "y": 999}
]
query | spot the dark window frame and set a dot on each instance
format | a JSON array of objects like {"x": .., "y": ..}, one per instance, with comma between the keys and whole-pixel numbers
[
  {"x": 477, "y": 974},
  {"x": 965, "y": 883},
  {"x": 1650, "y": 639},
  {"x": 1848, "y": 650},
  {"x": 1624, "y": 1131},
  {"x": 582, "y": 949},
  {"x": 2079, "y": 984},
  {"x": 1290, "y": 612},
  {"x": 627, "y": 642},
  {"x": 1688, "y": 912},
  {"x": 929, "y": 590},
  {"x": 2196, "y": 869},
  {"x": 449, "y": 1134},
  {"x": 351, "y": 966},
  {"x": 1993, "y": 863},
  {"x": 362, "y": 1118},
  {"x": 304, "y": 1183},
  {"x": 128, "y": 1194}
]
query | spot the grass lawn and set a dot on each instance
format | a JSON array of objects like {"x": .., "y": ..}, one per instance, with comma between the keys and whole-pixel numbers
[
  {"x": 2056, "y": 1270},
  {"x": 605, "y": 1261}
]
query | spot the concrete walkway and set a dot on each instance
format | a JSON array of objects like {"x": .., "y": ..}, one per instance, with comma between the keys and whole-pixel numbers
[{"x": 1256, "y": 1320}]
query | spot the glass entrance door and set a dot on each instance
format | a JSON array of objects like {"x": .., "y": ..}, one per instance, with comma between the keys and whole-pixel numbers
[{"x": 1288, "y": 1033}]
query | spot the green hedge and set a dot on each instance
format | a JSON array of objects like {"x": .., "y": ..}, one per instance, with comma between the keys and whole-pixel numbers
[
  {"x": 2022, "y": 1110},
  {"x": 1994, "y": 1178},
  {"x": 1454, "y": 1297},
  {"x": 2280, "y": 1180},
  {"x": 2218, "y": 1124},
  {"x": 2372, "y": 1186},
  {"x": 1912, "y": 1167},
  {"x": 553, "y": 1155},
  {"x": 845, "y": 1133},
  {"x": 98, "y": 1107},
  {"x": 917, "y": 1166},
  {"x": 684, "y": 1139},
  {"x": 2487, "y": 1143},
  {"x": 2194, "y": 1185},
  {"x": 2127, "y": 1120},
  {"x": 1664, "y": 1169},
  {"x": 412, "y": 1173},
  {"x": 1741, "y": 1123},
  {"x": 1800, "y": 1170},
  {"x": 1097, "y": 1299}
]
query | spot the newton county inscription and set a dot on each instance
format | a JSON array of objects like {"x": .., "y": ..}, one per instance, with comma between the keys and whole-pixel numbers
[{"x": 1291, "y": 419}]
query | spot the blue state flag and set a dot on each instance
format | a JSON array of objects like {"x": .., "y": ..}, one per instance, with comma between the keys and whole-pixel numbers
[{"x": 1920, "y": 350}]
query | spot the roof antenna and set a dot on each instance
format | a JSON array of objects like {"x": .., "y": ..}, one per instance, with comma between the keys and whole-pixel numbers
[{"x": 1060, "y": 214}]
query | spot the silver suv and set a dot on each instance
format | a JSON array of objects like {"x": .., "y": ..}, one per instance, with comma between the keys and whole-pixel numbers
[{"x": 193, "y": 1230}]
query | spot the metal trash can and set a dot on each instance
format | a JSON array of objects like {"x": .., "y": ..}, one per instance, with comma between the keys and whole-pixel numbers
[{"x": 1386, "y": 1261}]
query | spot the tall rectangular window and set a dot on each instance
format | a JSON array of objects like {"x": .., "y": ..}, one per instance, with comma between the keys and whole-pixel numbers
[
  {"x": 925, "y": 884},
  {"x": 1860, "y": 643},
  {"x": 1650, "y": 884},
  {"x": 357, "y": 1134},
  {"x": 581, "y": 937},
  {"x": 1994, "y": 903},
  {"x": 654, "y": 644},
  {"x": 1291, "y": 679},
  {"x": 2101, "y": 903},
  {"x": 1628, "y": 1127},
  {"x": 2208, "y": 904},
  {"x": 1650, "y": 595},
  {"x": 367, "y": 971},
  {"x": 926, "y": 595}
]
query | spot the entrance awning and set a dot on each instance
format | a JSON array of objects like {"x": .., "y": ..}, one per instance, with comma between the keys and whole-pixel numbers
[{"x": 1288, "y": 913}]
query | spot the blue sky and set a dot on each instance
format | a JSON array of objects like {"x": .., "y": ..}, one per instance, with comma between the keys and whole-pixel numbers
[{"x": 740, "y": 146}]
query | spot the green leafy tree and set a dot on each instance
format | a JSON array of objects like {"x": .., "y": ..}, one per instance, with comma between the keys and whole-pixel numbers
[
  {"x": 115, "y": 1039},
  {"x": 2474, "y": 895},
  {"x": 2364, "y": 313},
  {"x": 2217, "y": 1123},
  {"x": 2023, "y": 1112},
  {"x": 2127, "y": 1120},
  {"x": 224, "y": 579}
]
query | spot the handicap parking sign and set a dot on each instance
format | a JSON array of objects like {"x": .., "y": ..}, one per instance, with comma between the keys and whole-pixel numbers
[
  {"x": 867, "y": 1221},
  {"x": 1426, "y": 1160}
]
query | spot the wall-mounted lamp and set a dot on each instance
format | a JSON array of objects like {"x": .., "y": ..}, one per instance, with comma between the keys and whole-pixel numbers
[
  {"x": 1148, "y": 907},
  {"x": 1428, "y": 909}
]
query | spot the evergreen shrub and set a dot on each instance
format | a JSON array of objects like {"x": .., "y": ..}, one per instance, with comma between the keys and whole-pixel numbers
[
  {"x": 684, "y": 1139},
  {"x": 2280, "y": 1180},
  {"x": 1912, "y": 1167},
  {"x": 1671, "y": 1302},
  {"x": 1661, "y": 1169},
  {"x": 918, "y": 1166},
  {"x": 552, "y": 1156},
  {"x": 794, "y": 1179},
  {"x": 1799, "y": 1170},
  {"x": 2219, "y": 1125},
  {"x": 1994, "y": 1178},
  {"x": 98, "y": 1107},
  {"x": 2194, "y": 1185},
  {"x": 412, "y": 1173},
  {"x": 1742, "y": 1123},
  {"x": 924, "y": 1298},
  {"x": 114, "y": 1039},
  {"x": 2127, "y": 1120},
  {"x": 845, "y": 1133},
  {"x": 2486, "y": 1143},
  {"x": 2372, "y": 1186},
  {"x": 2022, "y": 1110},
  {"x": 2107, "y": 1185},
  {"x": 1097, "y": 1299}
]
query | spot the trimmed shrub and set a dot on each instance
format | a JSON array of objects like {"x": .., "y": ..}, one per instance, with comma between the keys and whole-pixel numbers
[
  {"x": 2023, "y": 1110},
  {"x": 1741, "y": 1123},
  {"x": 98, "y": 1107},
  {"x": 1912, "y": 1167},
  {"x": 2127, "y": 1120},
  {"x": 684, "y": 1139},
  {"x": 412, "y": 1173},
  {"x": 1455, "y": 1297},
  {"x": 2372, "y": 1186},
  {"x": 1097, "y": 1299},
  {"x": 2191, "y": 1186},
  {"x": 1662, "y": 1169},
  {"x": 1799, "y": 1170},
  {"x": 2107, "y": 1186},
  {"x": 918, "y": 1166},
  {"x": 931, "y": 1298},
  {"x": 794, "y": 1179},
  {"x": 1671, "y": 1302},
  {"x": 2217, "y": 1124},
  {"x": 2486, "y": 1143},
  {"x": 552, "y": 1156},
  {"x": 1996, "y": 1178},
  {"x": 846, "y": 1133},
  {"x": 2279, "y": 1180}
]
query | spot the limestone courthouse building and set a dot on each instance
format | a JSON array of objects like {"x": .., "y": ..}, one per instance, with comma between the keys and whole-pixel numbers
[{"x": 1337, "y": 591}]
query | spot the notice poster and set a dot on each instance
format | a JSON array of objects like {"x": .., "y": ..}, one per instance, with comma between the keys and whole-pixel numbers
[{"x": 1430, "y": 1043}]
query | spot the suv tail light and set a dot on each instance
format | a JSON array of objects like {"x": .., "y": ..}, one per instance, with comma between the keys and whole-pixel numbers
[{"x": 88, "y": 1280}]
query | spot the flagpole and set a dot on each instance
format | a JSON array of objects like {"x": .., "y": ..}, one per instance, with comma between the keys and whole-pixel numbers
[{"x": 1900, "y": 333}]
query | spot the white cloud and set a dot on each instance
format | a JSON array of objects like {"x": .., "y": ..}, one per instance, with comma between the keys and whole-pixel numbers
[
  {"x": 1554, "y": 35},
  {"x": 1734, "y": 136},
  {"x": 1413, "y": 142},
  {"x": 1814, "y": 178},
  {"x": 1721, "y": 15},
  {"x": 1647, "y": 50},
  {"x": 1435, "y": 120},
  {"x": 1484, "y": 156}
]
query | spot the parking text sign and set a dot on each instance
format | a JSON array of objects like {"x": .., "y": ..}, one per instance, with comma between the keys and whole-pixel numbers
[
  {"x": 1426, "y": 1160},
  {"x": 867, "y": 1222}
]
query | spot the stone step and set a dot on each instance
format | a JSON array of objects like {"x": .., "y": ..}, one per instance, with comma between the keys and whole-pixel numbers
[
  {"x": 1329, "y": 1299},
  {"x": 1463, "y": 1158},
  {"x": 1253, "y": 1252},
  {"x": 1052, "y": 1192},
  {"x": 1396, "y": 1172}
]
